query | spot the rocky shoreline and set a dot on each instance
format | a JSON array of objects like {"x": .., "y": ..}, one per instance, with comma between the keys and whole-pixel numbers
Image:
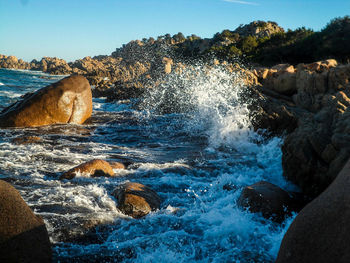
[{"x": 307, "y": 104}]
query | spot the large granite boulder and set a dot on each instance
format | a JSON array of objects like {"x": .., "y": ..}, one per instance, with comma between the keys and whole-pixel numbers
[
  {"x": 93, "y": 168},
  {"x": 66, "y": 101},
  {"x": 136, "y": 200},
  {"x": 23, "y": 235},
  {"x": 321, "y": 231}
]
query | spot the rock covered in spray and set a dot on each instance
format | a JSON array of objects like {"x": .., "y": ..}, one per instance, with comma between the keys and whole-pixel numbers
[{"x": 136, "y": 200}]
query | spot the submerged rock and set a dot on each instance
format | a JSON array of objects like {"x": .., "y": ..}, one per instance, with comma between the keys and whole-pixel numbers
[
  {"x": 269, "y": 200},
  {"x": 93, "y": 168},
  {"x": 66, "y": 101},
  {"x": 136, "y": 200},
  {"x": 321, "y": 231},
  {"x": 23, "y": 235}
]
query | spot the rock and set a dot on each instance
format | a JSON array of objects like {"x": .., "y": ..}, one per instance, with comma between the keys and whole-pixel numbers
[
  {"x": 93, "y": 168},
  {"x": 117, "y": 165},
  {"x": 23, "y": 235},
  {"x": 319, "y": 66},
  {"x": 50, "y": 65},
  {"x": 136, "y": 200},
  {"x": 269, "y": 200},
  {"x": 285, "y": 83},
  {"x": 167, "y": 65},
  {"x": 66, "y": 101},
  {"x": 315, "y": 152},
  {"x": 272, "y": 111},
  {"x": 13, "y": 62},
  {"x": 259, "y": 29},
  {"x": 321, "y": 231}
]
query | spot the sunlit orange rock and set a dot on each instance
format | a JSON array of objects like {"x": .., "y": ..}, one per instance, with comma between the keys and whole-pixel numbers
[{"x": 66, "y": 101}]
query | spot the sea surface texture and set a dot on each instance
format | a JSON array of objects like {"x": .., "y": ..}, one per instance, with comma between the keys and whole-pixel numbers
[{"x": 186, "y": 139}]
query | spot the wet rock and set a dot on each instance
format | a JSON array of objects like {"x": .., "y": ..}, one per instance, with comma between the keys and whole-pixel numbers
[
  {"x": 321, "y": 231},
  {"x": 136, "y": 200},
  {"x": 272, "y": 111},
  {"x": 93, "y": 168},
  {"x": 23, "y": 235},
  {"x": 66, "y": 101},
  {"x": 229, "y": 187},
  {"x": 117, "y": 165},
  {"x": 269, "y": 200}
]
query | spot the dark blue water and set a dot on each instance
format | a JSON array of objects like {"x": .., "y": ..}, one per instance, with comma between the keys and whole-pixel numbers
[{"x": 186, "y": 157}]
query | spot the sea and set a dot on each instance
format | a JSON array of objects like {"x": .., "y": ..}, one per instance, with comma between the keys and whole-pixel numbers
[{"x": 190, "y": 139}]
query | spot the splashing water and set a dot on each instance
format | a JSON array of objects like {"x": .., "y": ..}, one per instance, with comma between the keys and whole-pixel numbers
[
  {"x": 190, "y": 136},
  {"x": 210, "y": 97}
]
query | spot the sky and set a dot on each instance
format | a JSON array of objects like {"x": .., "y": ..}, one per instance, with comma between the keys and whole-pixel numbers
[{"x": 73, "y": 29}]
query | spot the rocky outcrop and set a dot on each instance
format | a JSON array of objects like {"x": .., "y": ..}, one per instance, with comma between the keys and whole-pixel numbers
[
  {"x": 268, "y": 199},
  {"x": 13, "y": 62},
  {"x": 321, "y": 231},
  {"x": 317, "y": 150},
  {"x": 50, "y": 65},
  {"x": 23, "y": 235},
  {"x": 259, "y": 29},
  {"x": 93, "y": 168},
  {"x": 310, "y": 102},
  {"x": 136, "y": 200},
  {"x": 66, "y": 101}
]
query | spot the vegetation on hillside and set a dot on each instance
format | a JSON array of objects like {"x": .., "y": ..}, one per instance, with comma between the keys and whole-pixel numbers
[{"x": 292, "y": 46}]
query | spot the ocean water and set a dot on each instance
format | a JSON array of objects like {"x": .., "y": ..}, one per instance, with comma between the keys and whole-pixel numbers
[{"x": 186, "y": 139}]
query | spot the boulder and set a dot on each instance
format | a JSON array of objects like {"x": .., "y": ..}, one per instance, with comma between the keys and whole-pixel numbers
[
  {"x": 321, "y": 231},
  {"x": 93, "y": 168},
  {"x": 136, "y": 200},
  {"x": 23, "y": 235},
  {"x": 66, "y": 101},
  {"x": 269, "y": 200},
  {"x": 117, "y": 165}
]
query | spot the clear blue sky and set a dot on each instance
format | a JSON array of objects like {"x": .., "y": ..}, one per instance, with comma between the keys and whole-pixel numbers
[{"x": 72, "y": 29}]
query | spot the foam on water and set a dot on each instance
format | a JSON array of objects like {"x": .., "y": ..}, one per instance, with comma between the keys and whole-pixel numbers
[{"x": 188, "y": 138}]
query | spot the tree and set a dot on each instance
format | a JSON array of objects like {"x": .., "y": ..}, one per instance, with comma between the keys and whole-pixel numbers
[{"x": 249, "y": 44}]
